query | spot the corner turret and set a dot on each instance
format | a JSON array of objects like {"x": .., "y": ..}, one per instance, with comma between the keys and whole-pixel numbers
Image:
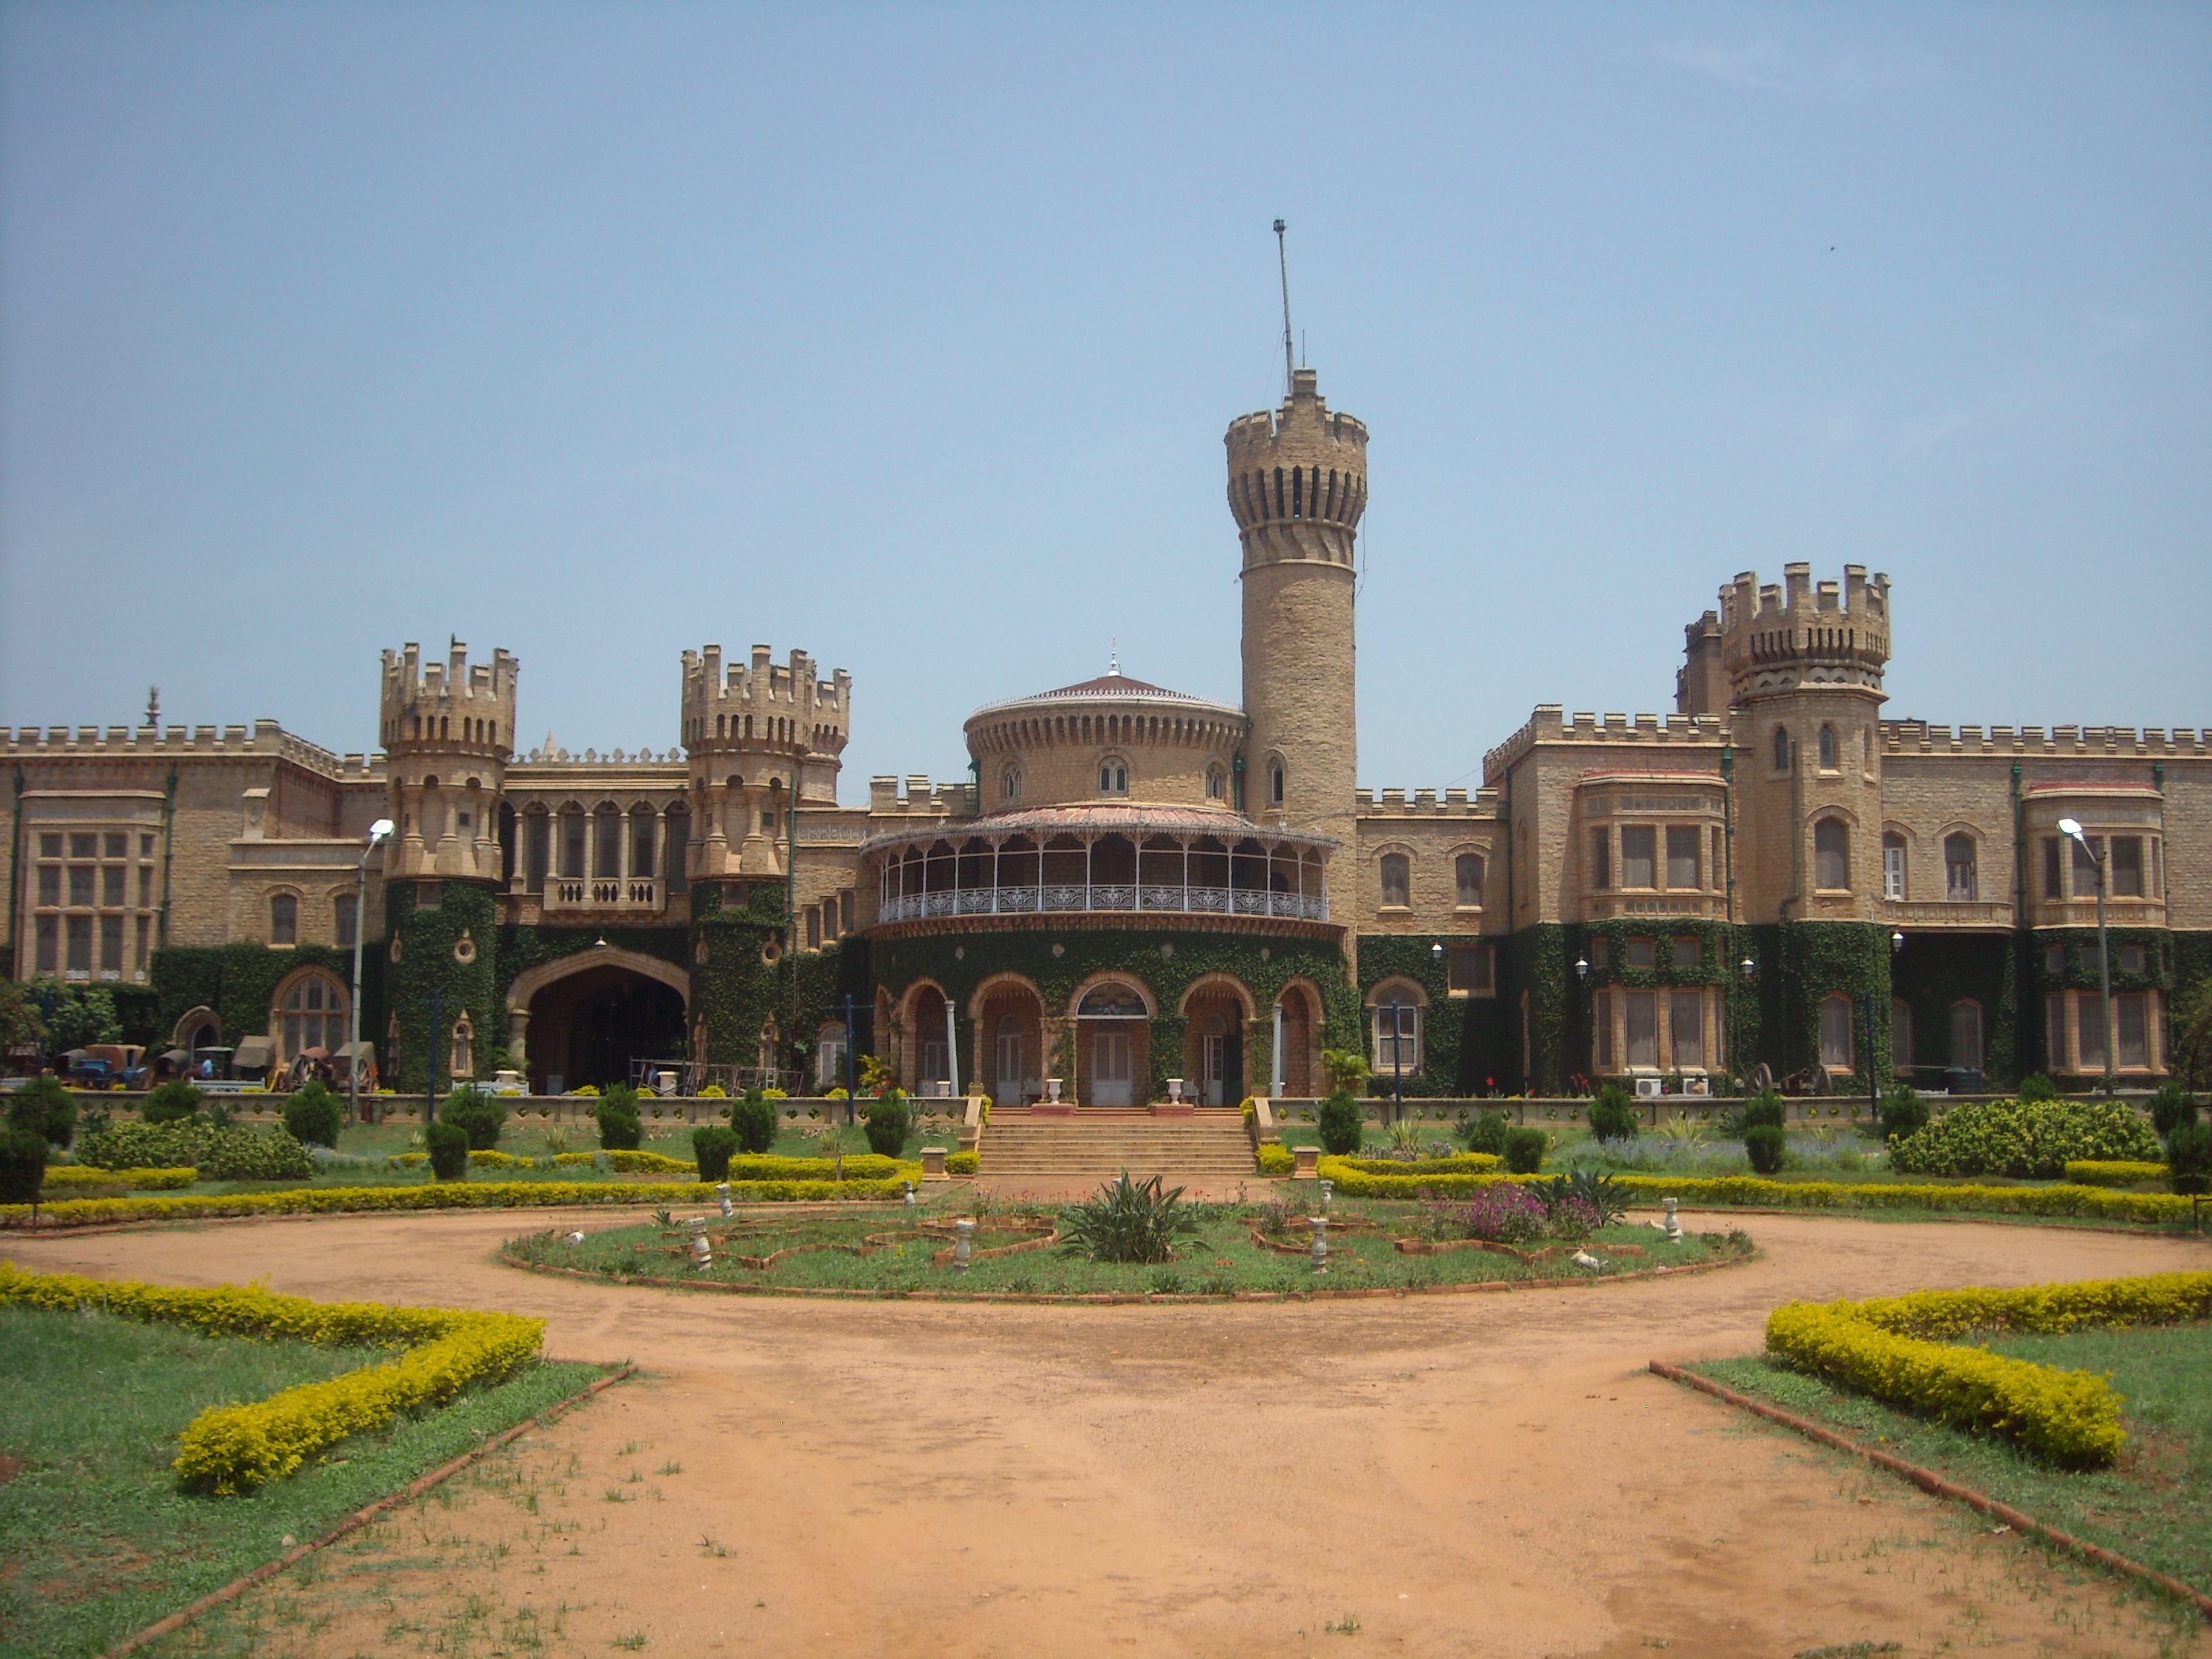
[
  {"x": 448, "y": 729},
  {"x": 755, "y": 734}
]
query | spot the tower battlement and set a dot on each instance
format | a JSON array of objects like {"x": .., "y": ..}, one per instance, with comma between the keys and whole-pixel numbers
[
  {"x": 1799, "y": 634},
  {"x": 762, "y": 705},
  {"x": 449, "y": 707},
  {"x": 1297, "y": 479}
]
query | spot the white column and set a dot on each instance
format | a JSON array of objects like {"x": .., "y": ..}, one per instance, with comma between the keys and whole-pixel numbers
[{"x": 1275, "y": 1065}]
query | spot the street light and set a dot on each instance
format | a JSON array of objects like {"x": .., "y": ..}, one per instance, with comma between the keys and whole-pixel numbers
[
  {"x": 2072, "y": 829},
  {"x": 379, "y": 833},
  {"x": 1398, "y": 1005}
]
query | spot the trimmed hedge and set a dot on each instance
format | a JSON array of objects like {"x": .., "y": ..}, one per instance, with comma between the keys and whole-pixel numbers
[
  {"x": 1457, "y": 1163},
  {"x": 1897, "y": 1349},
  {"x": 746, "y": 1166},
  {"x": 145, "y": 1181},
  {"x": 1751, "y": 1190},
  {"x": 2113, "y": 1172},
  {"x": 229, "y": 1449},
  {"x": 237, "y": 1154},
  {"x": 2032, "y": 1139},
  {"x": 1277, "y": 1159},
  {"x": 444, "y": 1195},
  {"x": 959, "y": 1163}
]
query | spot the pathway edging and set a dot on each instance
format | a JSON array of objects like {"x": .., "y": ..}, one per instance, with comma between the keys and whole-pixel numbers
[
  {"x": 1934, "y": 1484},
  {"x": 238, "y": 1586}
]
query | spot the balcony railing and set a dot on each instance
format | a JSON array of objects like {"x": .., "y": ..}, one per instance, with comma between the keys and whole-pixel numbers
[
  {"x": 604, "y": 893},
  {"x": 1946, "y": 913},
  {"x": 1030, "y": 901},
  {"x": 1598, "y": 906}
]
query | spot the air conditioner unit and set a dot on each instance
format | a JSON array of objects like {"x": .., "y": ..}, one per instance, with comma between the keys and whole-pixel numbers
[
  {"x": 1649, "y": 1088},
  {"x": 1697, "y": 1085}
]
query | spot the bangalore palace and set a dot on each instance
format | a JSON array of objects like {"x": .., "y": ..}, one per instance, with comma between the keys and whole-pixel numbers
[{"x": 1134, "y": 893}]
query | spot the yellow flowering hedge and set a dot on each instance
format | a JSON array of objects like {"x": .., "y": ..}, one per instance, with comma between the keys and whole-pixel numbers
[
  {"x": 1456, "y": 1164},
  {"x": 229, "y": 1449},
  {"x": 149, "y": 1181},
  {"x": 2113, "y": 1172},
  {"x": 757, "y": 1166},
  {"x": 963, "y": 1163},
  {"x": 490, "y": 1158},
  {"x": 443, "y": 1196},
  {"x": 1898, "y": 1349},
  {"x": 1276, "y": 1159},
  {"x": 1751, "y": 1190}
]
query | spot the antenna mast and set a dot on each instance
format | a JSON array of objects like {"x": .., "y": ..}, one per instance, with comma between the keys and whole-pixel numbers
[{"x": 1283, "y": 260}]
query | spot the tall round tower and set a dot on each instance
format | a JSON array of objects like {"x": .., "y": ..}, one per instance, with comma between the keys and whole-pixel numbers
[
  {"x": 447, "y": 731},
  {"x": 1297, "y": 484}
]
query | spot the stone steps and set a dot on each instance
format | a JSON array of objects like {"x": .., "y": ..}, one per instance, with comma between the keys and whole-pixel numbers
[{"x": 1142, "y": 1145}]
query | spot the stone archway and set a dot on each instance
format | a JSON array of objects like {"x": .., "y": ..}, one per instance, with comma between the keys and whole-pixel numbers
[
  {"x": 1218, "y": 1012},
  {"x": 582, "y": 1019},
  {"x": 1012, "y": 1038}
]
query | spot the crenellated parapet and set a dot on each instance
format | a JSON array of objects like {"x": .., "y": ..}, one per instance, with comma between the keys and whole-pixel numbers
[
  {"x": 1297, "y": 479},
  {"x": 757, "y": 734},
  {"x": 448, "y": 729},
  {"x": 1801, "y": 634}
]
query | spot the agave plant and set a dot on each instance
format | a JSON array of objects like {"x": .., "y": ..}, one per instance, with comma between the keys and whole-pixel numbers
[
  {"x": 1127, "y": 1221},
  {"x": 1682, "y": 1127},
  {"x": 1606, "y": 1197}
]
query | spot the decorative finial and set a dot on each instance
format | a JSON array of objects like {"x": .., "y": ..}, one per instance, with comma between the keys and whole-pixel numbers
[
  {"x": 1114, "y": 655},
  {"x": 152, "y": 705}
]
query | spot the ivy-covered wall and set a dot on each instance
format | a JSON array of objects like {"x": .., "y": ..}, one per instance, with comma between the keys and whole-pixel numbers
[
  {"x": 428, "y": 966},
  {"x": 1933, "y": 973},
  {"x": 2172, "y": 964},
  {"x": 1469, "y": 1045},
  {"x": 239, "y": 982},
  {"x": 1167, "y": 963}
]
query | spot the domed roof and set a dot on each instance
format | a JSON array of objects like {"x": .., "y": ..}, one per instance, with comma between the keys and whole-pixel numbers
[{"x": 1113, "y": 686}]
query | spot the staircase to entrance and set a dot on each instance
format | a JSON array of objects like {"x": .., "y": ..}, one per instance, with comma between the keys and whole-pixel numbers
[{"x": 1104, "y": 1141}]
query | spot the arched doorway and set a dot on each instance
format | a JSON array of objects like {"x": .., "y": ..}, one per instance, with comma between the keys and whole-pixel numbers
[
  {"x": 928, "y": 1046},
  {"x": 1298, "y": 1060},
  {"x": 1215, "y": 1013},
  {"x": 1113, "y": 1028},
  {"x": 1010, "y": 1033},
  {"x": 586, "y": 1019}
]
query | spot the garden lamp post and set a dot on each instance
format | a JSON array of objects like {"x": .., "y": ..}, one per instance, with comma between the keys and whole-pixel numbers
[
  {"x": 2072, "y": 829},
  {"x": 378, "y": 833},
  {"x": 1398, "y": 1005}
]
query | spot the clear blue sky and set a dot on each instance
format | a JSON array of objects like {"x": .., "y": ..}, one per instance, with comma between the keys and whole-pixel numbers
[{"x": 908, "y": 334}]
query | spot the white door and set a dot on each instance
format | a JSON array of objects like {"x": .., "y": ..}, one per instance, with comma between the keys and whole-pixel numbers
[
  {"x": 1110, "y": 1069},
  {"x": 1008, "y": 1091},
  {"x": 1214, "y": 1060}
]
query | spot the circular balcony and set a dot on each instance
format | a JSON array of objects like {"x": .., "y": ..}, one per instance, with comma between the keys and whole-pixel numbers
[{"x": 1174, "y": 861}]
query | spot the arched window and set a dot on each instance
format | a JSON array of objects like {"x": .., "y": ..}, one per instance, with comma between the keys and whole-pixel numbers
[
  {"x": 1275, "y": 783},
  {"x": 1827, "y": 749},
  {"x": 464, "y": 1057},
  {"x": 1010, "y": 783},
  {"x": 1113, "y": 777},
  {"x": 1967, "y": 1035},
  {"x": 1214, "y": 783},
  {"x": 346, "y": 919},
  {"x": 572, "y": 842},
  {"x": 830, "y": 1045},
  {"x": 1836, "y": 1045},
  {"x": 1831, "y": 856},
  {"x": 1892, "y": 865},
  {"x": 1111, "y": 1000},
  {"x": 310, "y": 1013},
  {"x": 1467, "y": 880},
  {"x": 1397, "y": 879},
  {"x": 1781, "y": 750},
  {"x": 1900, "y": 1036},
  {"x": 1959, "y": 878},
  {"x": 284, "y": 919}
]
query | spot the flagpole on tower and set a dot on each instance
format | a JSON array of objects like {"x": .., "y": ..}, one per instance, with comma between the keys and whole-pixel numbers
[{"x": 1283, "y": 261}]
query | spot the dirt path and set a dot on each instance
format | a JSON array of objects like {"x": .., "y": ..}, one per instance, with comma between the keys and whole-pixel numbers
[{"x": 1462, "y": 1475}]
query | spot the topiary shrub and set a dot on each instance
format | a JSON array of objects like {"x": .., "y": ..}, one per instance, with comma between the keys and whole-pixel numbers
[
  {"x": 47, "y": 1108},
  {"x": 1487, "y": 1133},
  {"x": 313, "y": 1116},
  {"x": 1523, "y": 1150},
  {"x": 619, "y": 1128},
  {"x": 2172, "y": 1104},
  {"x": 1903, "y": 1113},
  {"x": 1613, "y": 1114},
  {"x": 753, "y": 1119},
  {"x": 2038, "y": 1085},
  {"x": 887, "y": 1124},
  {"x": 1340, "y": 1124},
  {"x": 1765, "y": 1145},
  {"x": 22, "y": 1165},
  {"x": 2032, "y": 1138},
  {"x": 449, "y": 1151},
  {"x": 231, "y": 1154},
  {"x": 1766, "y": 1107},
  {"x": 2189, "y": 1157},
  {"x": 171, "y": 1103},
  {"x": 711, "y": 1147},
  {"x": 477, "y": 1114}
]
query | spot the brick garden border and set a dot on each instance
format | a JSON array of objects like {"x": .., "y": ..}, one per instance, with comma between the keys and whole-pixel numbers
[
  {"x": 1934, "y": 1484},
  {"x": 291, "y": 1558}
]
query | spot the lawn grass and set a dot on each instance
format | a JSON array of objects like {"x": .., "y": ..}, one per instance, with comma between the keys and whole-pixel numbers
[
  {"x": 2154, "y": 1506},
  {"x": 96, "y": 1539},
  {"x": 1220, "y": 1259}
]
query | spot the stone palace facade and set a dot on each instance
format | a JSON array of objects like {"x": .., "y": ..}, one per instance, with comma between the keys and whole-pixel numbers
[{"x": 1132, "y": 885}]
